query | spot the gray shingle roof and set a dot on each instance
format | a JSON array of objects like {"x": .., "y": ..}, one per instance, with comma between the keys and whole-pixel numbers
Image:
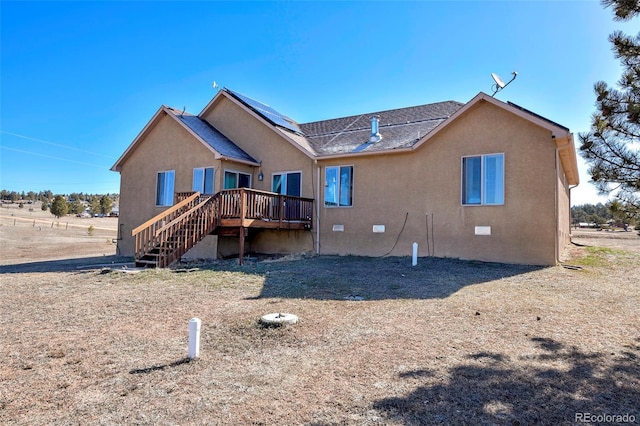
[
  {"x": 213, "y": 137},
  {"x": 400, "y": 128}
]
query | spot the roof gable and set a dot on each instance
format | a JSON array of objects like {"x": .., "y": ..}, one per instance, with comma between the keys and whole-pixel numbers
[
  {"x": 258, "y": 111},
  {"x": 402, "y": 129},
  {"x": 221, "y": 146}
]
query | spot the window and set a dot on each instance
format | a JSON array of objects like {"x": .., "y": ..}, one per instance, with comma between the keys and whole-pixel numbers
[
  {"x": 338, "y": 186},
  {"x": 483, "y": 180},
  {"x": 164, "y": 188},
  {"x": 203, "y": 180},
  {"x": 236, "y": 180},
  {"x": 287, "y": 183}
]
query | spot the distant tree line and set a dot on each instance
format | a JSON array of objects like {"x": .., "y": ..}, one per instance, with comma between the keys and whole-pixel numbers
[
  {"x": 613, "y": 212},
  {"x": 61, "y": 204},
  {"x": 15, "y": 197}
]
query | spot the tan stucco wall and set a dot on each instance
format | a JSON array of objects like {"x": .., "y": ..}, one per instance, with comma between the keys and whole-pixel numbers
[
  {"x": 425, "y": 186},
  {"x": 416, "y": 195},
  {"x": 166, "y": 146},
  {"x": 277, "y": 156},
  {"x": 564, "y": 211}
]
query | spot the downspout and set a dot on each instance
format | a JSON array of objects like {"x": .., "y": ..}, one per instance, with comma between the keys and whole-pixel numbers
[
  {"x": 557, "y": 213},
  {"x": 315, "y": 161}
]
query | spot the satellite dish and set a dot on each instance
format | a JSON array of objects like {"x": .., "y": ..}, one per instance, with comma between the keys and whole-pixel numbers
[
  {"x": 500, "y": 84},
  {"x": 498, "y": 80}
]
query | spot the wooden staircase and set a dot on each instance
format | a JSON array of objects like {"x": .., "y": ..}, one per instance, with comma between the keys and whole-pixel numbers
[{"x": 165, "y": 238}]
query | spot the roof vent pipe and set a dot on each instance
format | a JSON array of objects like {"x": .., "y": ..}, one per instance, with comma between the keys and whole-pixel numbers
[{"x": 375, "y": 133}]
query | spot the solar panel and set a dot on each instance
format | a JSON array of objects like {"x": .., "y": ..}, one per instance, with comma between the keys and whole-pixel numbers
[{"x": 267, "y": 112}]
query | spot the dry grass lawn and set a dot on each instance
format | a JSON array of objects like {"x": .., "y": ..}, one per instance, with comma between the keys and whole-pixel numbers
[{"x": 445, "y": 342}]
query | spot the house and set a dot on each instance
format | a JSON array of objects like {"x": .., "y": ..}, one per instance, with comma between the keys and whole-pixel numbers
[{"x": 483, "y": 180}]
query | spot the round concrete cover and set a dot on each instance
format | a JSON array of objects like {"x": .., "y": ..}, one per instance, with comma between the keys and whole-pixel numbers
[{"x": 279, "y": 318}]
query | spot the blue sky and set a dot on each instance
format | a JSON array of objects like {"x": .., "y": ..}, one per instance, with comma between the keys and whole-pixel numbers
[{"x": 79, "y": 80}]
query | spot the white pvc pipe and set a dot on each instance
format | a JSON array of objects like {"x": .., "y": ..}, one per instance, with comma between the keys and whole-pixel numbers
[
  {"x": 194, "y": 338},
  {"x": 414, "y": 259}
]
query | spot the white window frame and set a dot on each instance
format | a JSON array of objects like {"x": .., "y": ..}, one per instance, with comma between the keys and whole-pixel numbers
[
  {"x": 237, "y": 173},
  {"x": 284, "y": 181},
  {"x": 203, "y": 184},
  {"x": 160, "y": 198},
  {"x": 339, "y": 188},
  {"x": 483, "y": 180}
]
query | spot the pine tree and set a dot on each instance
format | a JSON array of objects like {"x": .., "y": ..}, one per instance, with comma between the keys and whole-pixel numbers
[
  {"x": 105, "y": 204},
  {"x": 59, "y": 206},
  {"x": 94, "y": 205},
  {"x": 611, "y": 146}
]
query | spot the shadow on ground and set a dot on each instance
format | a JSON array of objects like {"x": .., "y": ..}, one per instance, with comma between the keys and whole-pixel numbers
[
  {"x": 366, "y": 278},
  {"x": 558, "y": 385},
  {"x": 62, "y": 265}
]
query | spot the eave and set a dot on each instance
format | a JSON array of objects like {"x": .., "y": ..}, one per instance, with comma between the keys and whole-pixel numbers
[
  {"x": 562, "y": 137},
  {"x": 117, "y": 167},
  {"x": 282, "y": 133}
]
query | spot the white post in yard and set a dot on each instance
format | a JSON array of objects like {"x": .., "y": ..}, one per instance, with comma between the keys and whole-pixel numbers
[
  {"x": 414, "y": 260},
  {"x": 194, "y": 338}
]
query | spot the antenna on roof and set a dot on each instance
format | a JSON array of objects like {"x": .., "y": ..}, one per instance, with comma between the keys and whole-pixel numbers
[
  {"x": 500, "y": 84},
  {"x": 183, "y": 110}
]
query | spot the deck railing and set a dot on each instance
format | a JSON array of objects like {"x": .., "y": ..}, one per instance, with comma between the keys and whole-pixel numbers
[
  {"x": 183, "y": 233},
  {"x": 145, "y": 236},
  {"x": 250, "y": 204},
  {"x": 173, "y": 232}
]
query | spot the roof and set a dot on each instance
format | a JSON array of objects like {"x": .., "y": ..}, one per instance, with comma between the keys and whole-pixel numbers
[
  {"x": 212, "y": 137},
  {"x": 204, "y": 132},
  {"x": 270, "y": 114},
  {"x": 402, "y": 129},
  {"x": 538, "y": 116},
  {"x": 399, "y": 128}
]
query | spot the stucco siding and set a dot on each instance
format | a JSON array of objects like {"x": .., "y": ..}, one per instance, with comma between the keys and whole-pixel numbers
[
  {"x": 262, "y": 143},
  {"x": 277, "y": 156},
  {"x": 564, "y": 211},
  {"x": 424, "y": 189},
  {"x": 166, "y": 146},
  {"x": 401, "y": 197}
]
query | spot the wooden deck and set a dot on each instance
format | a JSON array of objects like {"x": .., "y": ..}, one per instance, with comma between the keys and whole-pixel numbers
[{"x": 163, "y": 239}]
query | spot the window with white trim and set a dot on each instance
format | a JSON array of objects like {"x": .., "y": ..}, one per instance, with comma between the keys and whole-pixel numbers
[
  {"x": 287, "y": 183},
  {"x": 164, "y": 188},
  {"x": 338, "y": 186},
  {"x": 483, "y": 180},
  {"x": 236, "y": 180},
  {"x": 203, "y": 180}
]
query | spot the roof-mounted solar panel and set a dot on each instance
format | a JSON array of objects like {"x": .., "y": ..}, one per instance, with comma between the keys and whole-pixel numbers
[{"x": 267, "y": 112}]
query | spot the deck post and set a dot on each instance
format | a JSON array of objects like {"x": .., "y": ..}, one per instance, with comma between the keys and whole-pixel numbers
[
  {"x": 243, "y": 206},
  {"x": 281, "y": 209},
  {"x": 241, "y": 243}
]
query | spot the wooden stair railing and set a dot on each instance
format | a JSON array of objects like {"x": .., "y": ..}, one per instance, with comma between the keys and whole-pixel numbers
[
  {"x": 166, "y": 237},
  {"x": 163, "y": 239}
]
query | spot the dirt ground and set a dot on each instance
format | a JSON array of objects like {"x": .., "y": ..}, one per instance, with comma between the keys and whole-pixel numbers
[
  {"x": 31, "y": 236},
  {"x": 618, "y": 239},
  {"x": 378, "y": 342}
]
